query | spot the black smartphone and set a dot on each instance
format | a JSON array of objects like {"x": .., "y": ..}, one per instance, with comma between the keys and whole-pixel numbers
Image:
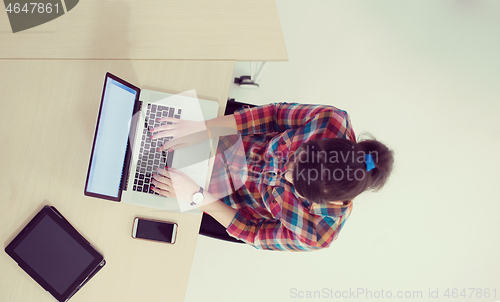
[{"x": 154, "y": 230}]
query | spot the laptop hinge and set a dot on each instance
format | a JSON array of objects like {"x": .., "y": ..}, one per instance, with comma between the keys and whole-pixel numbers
[{"x": 132, "y": 148}]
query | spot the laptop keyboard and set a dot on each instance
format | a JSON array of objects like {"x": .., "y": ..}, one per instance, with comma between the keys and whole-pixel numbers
[{"x": 149, "y": 157}]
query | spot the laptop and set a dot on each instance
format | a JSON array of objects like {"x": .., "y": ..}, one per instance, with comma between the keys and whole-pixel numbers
[{"x": 124, "y": 158}]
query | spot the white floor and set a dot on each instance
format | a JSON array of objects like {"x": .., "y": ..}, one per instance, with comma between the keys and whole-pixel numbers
[{"x": 423, "y": 77}]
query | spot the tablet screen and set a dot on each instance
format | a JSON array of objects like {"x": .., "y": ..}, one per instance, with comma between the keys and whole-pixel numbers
[{"x": 53, "y": 254}]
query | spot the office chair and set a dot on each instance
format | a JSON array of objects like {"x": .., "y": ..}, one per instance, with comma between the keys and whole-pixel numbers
[{"x": 209, "y": 226}]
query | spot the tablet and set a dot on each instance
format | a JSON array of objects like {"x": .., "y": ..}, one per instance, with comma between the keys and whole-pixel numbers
[{"x": 54, "y": 254}]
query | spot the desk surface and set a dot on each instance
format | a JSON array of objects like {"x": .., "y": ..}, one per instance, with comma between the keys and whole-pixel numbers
[
  {"x": 47, "y": 122},
  {"x": 153, "y": 29}
]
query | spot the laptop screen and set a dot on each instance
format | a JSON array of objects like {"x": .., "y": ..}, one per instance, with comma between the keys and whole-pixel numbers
[{"x": 110, "y": 141}]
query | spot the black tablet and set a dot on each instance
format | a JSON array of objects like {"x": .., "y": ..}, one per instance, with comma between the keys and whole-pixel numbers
[{"x": 54, "y": 254}]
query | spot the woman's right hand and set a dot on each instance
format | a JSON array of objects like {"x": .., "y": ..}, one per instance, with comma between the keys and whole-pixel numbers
[{"x": 184, "y": 133}]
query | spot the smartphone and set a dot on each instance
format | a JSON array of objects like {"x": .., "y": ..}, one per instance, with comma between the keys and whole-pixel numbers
[{"x": 154, "y": 230}]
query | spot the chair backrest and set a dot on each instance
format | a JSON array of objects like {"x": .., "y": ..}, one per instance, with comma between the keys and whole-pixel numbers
[
  {"x": 212, "y": 228},
  {"x": 209, "y": 226},
  {"x": 232, "y": 106}
]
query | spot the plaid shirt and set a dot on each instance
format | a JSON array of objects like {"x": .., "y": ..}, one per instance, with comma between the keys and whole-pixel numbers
[{"x": 270, "y": 214}]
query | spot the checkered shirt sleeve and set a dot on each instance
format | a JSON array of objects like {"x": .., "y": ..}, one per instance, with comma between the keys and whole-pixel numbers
[
  {"x": 306, "y": 233},
  {"x": 279, "y": 117}
]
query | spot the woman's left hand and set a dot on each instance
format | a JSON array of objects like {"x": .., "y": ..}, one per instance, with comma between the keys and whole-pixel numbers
[{"x": 174, "y": 183}]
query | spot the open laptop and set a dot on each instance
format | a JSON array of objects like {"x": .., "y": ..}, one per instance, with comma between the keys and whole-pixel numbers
[{"x": 124, "y": 157}]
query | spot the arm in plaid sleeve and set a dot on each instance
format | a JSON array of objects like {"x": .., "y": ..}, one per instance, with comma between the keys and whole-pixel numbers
[
  {"x": 271, "y": 234},
  {"x": 283, "y": 116}
]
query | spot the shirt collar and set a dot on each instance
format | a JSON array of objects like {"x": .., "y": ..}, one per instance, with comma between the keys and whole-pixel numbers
[{"x": 329, "y": 209}]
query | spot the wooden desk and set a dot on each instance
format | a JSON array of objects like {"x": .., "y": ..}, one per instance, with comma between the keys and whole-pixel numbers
[
  {"x": 47, "y": 122},
  {"x": 153, "y": 29}
]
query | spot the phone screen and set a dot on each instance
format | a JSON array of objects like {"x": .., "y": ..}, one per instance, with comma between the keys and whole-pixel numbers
[{"x": 155, "y": 230}]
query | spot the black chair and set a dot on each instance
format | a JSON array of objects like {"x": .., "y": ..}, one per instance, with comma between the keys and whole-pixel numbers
[{"x": 209, "y": 226}]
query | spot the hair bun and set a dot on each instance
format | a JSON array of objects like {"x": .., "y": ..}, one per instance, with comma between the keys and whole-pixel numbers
[{"x": 383, "y": 159}]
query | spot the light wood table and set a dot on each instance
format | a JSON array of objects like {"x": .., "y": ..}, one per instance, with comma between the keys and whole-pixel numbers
[
  {"x": 154, "y": 29},
  {"x": 47, "y": 122}
]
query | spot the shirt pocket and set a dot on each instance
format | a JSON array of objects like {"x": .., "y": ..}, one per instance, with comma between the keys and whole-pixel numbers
[{"x": 273, "y": 204}]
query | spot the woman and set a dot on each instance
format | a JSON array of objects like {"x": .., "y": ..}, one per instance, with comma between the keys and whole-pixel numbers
[{"x": 294, "y": 190}]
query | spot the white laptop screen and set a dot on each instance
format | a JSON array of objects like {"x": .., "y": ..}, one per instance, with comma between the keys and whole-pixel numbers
[{"x": 105, "y": 172}]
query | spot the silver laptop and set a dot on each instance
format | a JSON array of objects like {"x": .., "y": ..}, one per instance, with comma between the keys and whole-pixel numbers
[{"x": 124, "y": 157}]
